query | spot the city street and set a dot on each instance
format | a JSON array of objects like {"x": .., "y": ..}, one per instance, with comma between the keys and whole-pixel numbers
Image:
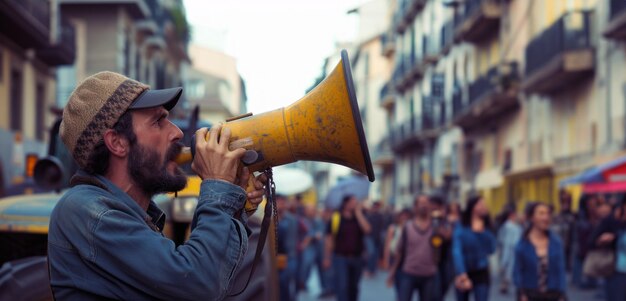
[{"x": 374, "y": 289}]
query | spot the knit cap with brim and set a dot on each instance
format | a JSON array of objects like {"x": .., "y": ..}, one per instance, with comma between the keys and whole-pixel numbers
[{"x": 93, "y": 107}]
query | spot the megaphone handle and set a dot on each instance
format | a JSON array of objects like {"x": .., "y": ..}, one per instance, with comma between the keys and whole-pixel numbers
[{"x": 249, "y": 207}]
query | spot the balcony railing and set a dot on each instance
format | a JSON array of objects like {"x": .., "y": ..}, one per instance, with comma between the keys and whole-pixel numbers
[
  {"x": 483, "y": 85},
  {"x": 63, "y": 50},
  {"x": 569, "y": 42},
  {"x": 616, "y": 27},
  {"x": 570, "y": 32},
  {"x": 26, "y": 22},
  {"x": 489, "y": 96},
  {"x": 477, "y": 20}
]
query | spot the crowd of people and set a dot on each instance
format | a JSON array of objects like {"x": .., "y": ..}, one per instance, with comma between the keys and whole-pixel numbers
[{"x": 435, "y": 248}]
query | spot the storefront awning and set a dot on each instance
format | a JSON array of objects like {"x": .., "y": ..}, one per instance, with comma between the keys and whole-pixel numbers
[{"x": 609, "y": 177}]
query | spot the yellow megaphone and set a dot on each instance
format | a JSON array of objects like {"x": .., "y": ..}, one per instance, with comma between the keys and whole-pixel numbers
[{"x": 325, "y": 125}]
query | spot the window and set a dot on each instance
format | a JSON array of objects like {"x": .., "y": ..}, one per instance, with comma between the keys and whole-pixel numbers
[{"x": 196, "y": 89}]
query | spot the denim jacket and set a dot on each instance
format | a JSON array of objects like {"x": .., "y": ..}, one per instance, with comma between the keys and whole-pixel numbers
[
  {"x": 471, "y": 250},
  {"x": 526, "y": 270},
  {"x": 103, "y": 245}
]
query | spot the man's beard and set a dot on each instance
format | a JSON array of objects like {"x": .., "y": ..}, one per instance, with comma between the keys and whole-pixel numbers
[{"x": 143, "y": 165}]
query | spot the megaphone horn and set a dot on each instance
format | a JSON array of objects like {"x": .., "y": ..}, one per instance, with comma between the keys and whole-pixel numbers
[{"x": 324, "y": 125}]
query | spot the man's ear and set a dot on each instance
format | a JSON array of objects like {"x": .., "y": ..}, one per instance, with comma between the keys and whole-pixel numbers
[{"x": 117, "y": 144}]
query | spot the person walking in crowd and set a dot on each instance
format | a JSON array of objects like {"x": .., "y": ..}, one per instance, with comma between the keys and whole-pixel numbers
[
  {"x": 345, "y": 239},
  {"x": 415, "y": 258},
  {"x": 376, "y": 219},
  {"x": 442, "y": 244},
  {"x": 539, "y": 269},
  {"x": 287, "y": 249},
  {"x": 308, "y": 245},
  {"x": 394, "y": 232},
  {"x": 563, "y": 225},
  {"x": 325, "y": 274},
  {"x": 472, "y": 244},
  {"x": 583, "y": 227},
  {"x": 508, "y": 237},
  {"x": 611, "y": 234}
]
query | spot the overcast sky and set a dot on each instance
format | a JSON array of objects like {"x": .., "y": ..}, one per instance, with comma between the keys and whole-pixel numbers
[{"x": 279, "y": 45}]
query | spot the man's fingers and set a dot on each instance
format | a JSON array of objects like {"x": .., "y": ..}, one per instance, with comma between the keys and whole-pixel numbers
[
  {"x": 213, "y": 135},
  {"x": 224, "y": 138},
  {"x": 201, "y": 136},
  {"x": 256, "y": 194},
  {"x": 262, "y": 178},
  {"x": 237, "y": 153}
]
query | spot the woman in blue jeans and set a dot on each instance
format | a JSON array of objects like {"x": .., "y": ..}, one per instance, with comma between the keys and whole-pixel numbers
[
  {"x": 611, "y": 233},
  {"x": 472, "y": 243}
]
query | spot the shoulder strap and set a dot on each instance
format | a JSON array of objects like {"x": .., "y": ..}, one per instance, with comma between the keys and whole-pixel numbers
[{"x": 269, "y": 213}]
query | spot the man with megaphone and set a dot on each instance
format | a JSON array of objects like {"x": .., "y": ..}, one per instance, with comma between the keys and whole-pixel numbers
[{"x": 105, "y": 239}]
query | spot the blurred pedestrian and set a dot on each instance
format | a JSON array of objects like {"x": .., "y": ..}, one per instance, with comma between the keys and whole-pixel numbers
[
  {"x": 415, "y": 263},
  {"x": 376, "y": 220},
  {"x": 508, "y": 237},
  {"x": 320, "y": 225},
  {"x": 472, "y": 243},
  {"x": 394, "y": 232},
  {"x": 308, "y": 245},
  {"x": 442, "y": 244},
  {"x": 287, "y": 249},
  {"x": 539, "y": 272},
  {"x": 611, "y": 233},
  {"x": 345, "y": 243},
  {"x": 583, "y": 227},
  {"x": 563, "y": 225}
]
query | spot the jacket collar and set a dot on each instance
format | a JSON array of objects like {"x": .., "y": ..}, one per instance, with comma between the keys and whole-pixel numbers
[{"x": 154, "y": 217}]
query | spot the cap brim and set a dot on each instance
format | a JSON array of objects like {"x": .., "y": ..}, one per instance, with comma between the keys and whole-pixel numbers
[{"x": 156, "y": 98}]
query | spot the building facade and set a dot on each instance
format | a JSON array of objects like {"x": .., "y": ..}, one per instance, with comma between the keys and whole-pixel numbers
[
  {"x": 34, "y": 41},
  {"x": 502, "y": 98},
  {"x": 215, "y": 85}
]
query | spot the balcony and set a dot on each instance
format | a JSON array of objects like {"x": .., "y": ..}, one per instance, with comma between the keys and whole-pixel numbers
[
  {"x": 138, "y": 9},
  {"x": 408, "y": 71},
  {"x": 489, "y": 96},
  {"x": 402, "y": 136},
  {"x": 561, "y": 55},
  {"x": 26, "y": 22},
  {"x": 62, "y": 50},
  {"x": 382, "y": 154},
  {"x": 478, "y": 20},
  {"x": 616, "y": 28},
  {"x": 406, "y": 12},
  {"x": 388, "y": 44},
  {"x": 387, "y": 96}
]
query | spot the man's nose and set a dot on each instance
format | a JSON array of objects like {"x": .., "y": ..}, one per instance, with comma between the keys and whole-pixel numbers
[{"x": 177, "y": 132}]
